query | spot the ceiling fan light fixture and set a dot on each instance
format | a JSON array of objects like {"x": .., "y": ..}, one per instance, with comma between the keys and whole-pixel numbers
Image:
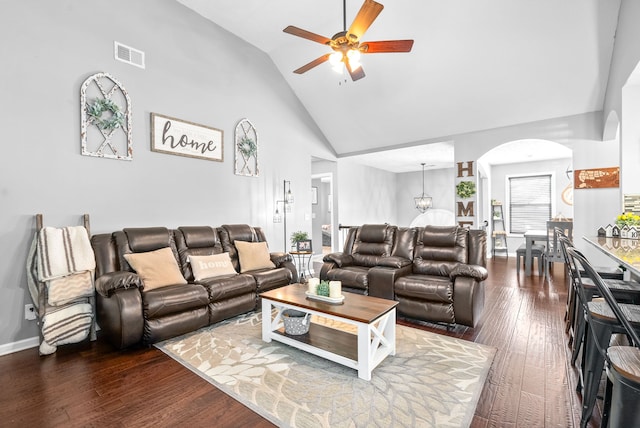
[
  {"x": 353, "y": 56},
  {"x": 336, "y": 61},
  {"x": 347, "y": 44},
  {"x": 335, "y": 58}
]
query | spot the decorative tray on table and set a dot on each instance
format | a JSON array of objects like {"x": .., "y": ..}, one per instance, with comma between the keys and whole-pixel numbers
[{"x": 327, "y": 299}]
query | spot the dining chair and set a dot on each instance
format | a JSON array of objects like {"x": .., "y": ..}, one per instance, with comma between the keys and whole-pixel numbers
[
  {"x": 624, "y": 291},
  {"x": 553, "y": 251},
  {"x": 622, "y": 395},
  {"x": 537, "y": 252},
  {"x": 622, "y": 398},
  {"x": 600, "y": 325}
]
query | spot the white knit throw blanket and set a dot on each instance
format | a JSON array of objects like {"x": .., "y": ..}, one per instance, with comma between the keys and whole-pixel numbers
[{"x": 63, "y": 251}]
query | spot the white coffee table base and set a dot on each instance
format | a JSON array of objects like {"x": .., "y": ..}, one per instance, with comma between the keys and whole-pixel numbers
[{"x": 372, "y": 343}]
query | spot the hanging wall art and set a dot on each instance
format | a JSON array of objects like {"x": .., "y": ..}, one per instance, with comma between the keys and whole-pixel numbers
[
  {"x": 183, "y": 138},
  {"x": 246, "y": 149},
  {"x": 596, "y": 178},
  {"x": 105, "y": 118}
]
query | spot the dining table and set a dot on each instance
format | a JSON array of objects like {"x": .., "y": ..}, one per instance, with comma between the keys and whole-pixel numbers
[
  {"x": 531, "y": 236},
  {"x": 624, "y": 251}
]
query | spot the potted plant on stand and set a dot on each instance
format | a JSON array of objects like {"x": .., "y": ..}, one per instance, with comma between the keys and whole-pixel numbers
[
  {"x": 301, "y": 249},
  {"x": 297, "y": 237}
]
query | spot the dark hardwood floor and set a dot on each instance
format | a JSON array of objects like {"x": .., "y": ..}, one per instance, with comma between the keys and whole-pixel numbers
[{"x": 530, "y": 383}]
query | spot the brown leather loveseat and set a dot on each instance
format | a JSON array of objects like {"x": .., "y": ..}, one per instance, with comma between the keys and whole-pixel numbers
[
  {"x": 436, "y": 273},
  {"x": 132, "y": 308}
]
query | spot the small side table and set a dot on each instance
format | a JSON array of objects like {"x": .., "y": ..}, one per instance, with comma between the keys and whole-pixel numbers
[{"x": 302, "y": 260}]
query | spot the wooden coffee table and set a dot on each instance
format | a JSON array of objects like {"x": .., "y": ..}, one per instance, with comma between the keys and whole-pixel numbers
[{"x": 374, "y": 320}]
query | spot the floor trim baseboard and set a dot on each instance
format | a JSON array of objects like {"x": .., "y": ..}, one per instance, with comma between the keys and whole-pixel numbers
[{"x": 20, "y": 345}]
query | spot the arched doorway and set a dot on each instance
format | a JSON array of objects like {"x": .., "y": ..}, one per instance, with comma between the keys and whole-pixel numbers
[{"x": 523, "y": 158}]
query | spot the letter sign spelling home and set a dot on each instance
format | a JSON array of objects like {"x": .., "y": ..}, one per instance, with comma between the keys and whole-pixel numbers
[
  {"x": 465, "y": 211},
  {"x": 182, "y": 138}
]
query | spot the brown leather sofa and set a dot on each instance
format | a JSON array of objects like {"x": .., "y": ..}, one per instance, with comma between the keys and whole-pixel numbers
[
  {"x": 128, "y": 314},
  {"x": 436, "y": 273}
]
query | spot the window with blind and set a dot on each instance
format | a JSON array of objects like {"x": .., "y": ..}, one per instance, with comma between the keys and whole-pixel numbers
[{"x": 529, "y": 202}]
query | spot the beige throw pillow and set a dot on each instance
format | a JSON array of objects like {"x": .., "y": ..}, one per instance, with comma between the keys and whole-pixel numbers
[
  {"x": 253, "y": 256},
  {"x": 211, "y": 266},
  {"x": 157, "y": 268}
]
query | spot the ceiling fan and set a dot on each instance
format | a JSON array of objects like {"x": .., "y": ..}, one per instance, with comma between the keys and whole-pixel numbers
[{"x": 346, "y": 44}]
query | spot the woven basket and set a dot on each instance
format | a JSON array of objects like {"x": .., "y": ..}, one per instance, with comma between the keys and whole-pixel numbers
[{"x": 295, "y": 322}]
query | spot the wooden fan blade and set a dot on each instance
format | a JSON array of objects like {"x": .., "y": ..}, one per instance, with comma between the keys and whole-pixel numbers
[
  {"x": 356, "y": 74},
  {"x": 312, "y": 64},
  {"x": 386, "y": 46},
  {"x": 365, "y": 17},
  {"x": 306, "y": 35}
]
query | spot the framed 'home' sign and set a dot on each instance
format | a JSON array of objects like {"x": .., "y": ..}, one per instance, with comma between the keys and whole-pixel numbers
[{"x": 182, "y": 138}]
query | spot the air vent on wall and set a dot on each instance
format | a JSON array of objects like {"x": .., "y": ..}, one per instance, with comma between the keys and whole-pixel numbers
[{"x": 128, "y": 54}]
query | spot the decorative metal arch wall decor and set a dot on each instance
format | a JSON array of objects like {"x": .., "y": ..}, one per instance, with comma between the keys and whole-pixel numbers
[
  {"x": 246, "y": 149},
  {"x": 105, "y": 118}
]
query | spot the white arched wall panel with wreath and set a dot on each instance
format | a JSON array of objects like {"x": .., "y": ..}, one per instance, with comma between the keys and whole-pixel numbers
[{"x": 105, "y": 118}]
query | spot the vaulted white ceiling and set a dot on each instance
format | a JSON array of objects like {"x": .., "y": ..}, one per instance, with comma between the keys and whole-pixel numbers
[{"x": 475, "y": 64}]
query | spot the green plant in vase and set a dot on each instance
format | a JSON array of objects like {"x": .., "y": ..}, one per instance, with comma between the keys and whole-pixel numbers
[{"x": 323, "y": 289}]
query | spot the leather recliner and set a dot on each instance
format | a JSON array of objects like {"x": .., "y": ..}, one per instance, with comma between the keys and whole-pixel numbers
[
  {"x": 266, "y": 279},
  {"x": 445, "y": 281},
  {"x": 229, "y": 295},
  {"x": 365, "y": 247},
  {"x": 167, "y": 311}
]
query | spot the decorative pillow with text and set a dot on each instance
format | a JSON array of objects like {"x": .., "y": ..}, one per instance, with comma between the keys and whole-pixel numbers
[{"x": 211, "y": 266}]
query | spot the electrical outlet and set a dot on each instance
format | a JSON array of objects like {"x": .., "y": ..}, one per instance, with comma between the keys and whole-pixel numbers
[{"x": 29, "y": 312}]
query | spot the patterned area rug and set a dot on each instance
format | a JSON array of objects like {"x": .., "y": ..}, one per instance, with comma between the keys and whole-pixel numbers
[{"x": 432, "y": 380}]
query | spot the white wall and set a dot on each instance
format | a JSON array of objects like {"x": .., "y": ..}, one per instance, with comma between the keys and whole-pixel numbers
[
  {"x": 195, "y": 71},
  {"x": 630, "y": 140},
  {"x": 595, "y": 207},
  {"x": 626, "y": 55},
  {"x": 365, "y": 195},
  {"x": 623, "y": 95},
  {"x": 623, "y": 99},
  {"x": 439, "y": 184}
]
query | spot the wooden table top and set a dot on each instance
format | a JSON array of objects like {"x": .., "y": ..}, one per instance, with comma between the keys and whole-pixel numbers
[{"x": 356, "y": 307}]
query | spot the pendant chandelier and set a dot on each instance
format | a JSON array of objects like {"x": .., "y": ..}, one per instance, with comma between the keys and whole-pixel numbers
[{"x": 423, "y": 202}]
